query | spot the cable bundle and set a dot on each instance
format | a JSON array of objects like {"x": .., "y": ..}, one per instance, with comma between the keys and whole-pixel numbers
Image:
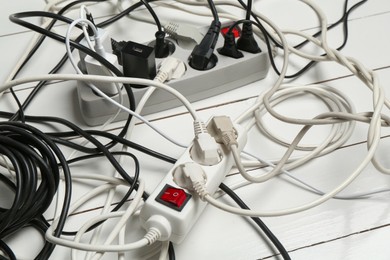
[{"x": 31, "y": 159}]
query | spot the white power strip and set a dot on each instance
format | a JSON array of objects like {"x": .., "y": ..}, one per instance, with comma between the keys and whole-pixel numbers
[
  {"x": 174, "y": 208},
  {"x": 228, "y": 74}
]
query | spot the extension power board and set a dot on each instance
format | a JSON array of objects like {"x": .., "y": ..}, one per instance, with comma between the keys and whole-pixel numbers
[
  {"x": 228, "y": 74},
  {"x": 174, "y": 208}
]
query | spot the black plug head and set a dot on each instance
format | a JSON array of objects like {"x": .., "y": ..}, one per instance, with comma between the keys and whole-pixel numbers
[
  {"x": 89, "y": 28},
  {"x": 229, "y": 47},
  {"x": 138, "y": 61},
  {"x": 247, "y": 41},
  {"x": 161, "y": 47},
  {"x": 117, "y": 49},
  {"x": 202, "y": 56}
]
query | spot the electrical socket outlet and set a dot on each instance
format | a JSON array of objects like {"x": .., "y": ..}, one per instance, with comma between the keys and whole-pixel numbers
[{"x": 228, "y": 74}]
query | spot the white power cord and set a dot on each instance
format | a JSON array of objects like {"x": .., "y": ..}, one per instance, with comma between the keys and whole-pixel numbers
[
  {"x": 152, "y": 236},
  {"x": 266, "y": 163},
  {"x": 373, "y": 118},
  {"x": 202, "y": 192}
]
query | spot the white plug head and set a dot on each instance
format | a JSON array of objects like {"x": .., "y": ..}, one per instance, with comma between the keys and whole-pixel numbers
[
  {"x": 161, "y": 224},
  {"x": 185, "y": 174}
]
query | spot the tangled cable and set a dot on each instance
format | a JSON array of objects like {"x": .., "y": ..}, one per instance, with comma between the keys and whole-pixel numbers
[{"x": 33, "y": 178}]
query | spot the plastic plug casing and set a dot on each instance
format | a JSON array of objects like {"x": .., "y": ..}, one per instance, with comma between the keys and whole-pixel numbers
[
  {"x": 117, "y": 49},
  {"x": 223, "y": 131},
  {"x": 104, "y": 39},
  {"x": 170, "y": 68},
  {"x": 138, "y": 61},
  {"x": 202, "y": 56},
  {"x": 161, "y": 47},
  {"x": 229, "y": 47},
  {"x": 205, "y": 150},
  {"x": 93, "y": 67},
  {"x": 247, "y": 41}
]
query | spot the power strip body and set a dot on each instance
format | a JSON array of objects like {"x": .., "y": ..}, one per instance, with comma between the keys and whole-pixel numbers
[
  {"x": 228, "y": 74},
  {"x": 181, "y": 221}
]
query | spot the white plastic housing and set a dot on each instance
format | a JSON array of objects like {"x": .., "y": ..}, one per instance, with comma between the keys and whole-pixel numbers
[{"x": 94, "y": 67}]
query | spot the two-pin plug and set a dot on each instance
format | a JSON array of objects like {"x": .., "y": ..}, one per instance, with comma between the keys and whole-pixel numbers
[
  {"x": 205, "y": 149},
  {"x": 223, "y": 131},
  {"x": 170, "y": 68}
]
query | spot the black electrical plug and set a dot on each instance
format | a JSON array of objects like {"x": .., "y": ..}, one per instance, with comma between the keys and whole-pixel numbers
[
  {"x": 89, "y": 28},
  {"x": 117, "y": 49},
  {"x": 202, "y": 56},
  {"x": 229, "y": 47},
  {"x": 161, "y": 47},
  {"x": 138, "y": 61},
  {"x": 247, "y": 41}
]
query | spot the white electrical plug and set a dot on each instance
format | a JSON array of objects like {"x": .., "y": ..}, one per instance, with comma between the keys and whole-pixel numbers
[
  {"x": 205, "y": 149},
  {"x": 105, "y": 41},
  {"x": 170, "y": 68},
  {"x": 94, "y": 67}
]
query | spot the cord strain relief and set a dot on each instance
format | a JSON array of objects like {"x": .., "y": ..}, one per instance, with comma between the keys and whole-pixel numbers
[
  {"x": 200, "y": 189},
  {"x": 153, "y": 235},
  {"x": 199, "y": 127},
  {"x": 229, "y": 139},
  {"x": 161, "y": 76}
]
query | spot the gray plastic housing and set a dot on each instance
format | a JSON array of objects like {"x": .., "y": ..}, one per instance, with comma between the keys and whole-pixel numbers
[{"x": 228, "y": 74}]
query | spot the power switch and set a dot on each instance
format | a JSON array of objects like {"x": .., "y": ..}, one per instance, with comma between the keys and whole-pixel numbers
[{"x": 172, "y": 197}]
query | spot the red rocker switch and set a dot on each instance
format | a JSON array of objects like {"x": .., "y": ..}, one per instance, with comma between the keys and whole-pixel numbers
[{"x": 172, "y": 197}]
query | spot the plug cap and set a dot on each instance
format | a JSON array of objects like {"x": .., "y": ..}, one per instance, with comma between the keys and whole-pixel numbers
[
  {"x": 202, "y": 56},
  {"x": 247, "y": 41},
  {"x": 229, "y": 47},
  {"x": 161, "y": 48}
]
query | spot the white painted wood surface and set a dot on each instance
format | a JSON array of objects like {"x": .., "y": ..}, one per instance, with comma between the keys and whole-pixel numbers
[{"x": 348, "y": 229}]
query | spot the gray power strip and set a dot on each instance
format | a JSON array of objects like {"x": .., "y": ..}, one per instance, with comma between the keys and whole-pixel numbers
[{"x": 228, "y": 74}]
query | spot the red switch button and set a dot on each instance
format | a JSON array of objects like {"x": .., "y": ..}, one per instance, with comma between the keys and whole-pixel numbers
[{"x": 173, "y": 197}]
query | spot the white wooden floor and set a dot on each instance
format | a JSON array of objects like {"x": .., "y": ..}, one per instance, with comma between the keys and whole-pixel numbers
[{"x": 337, "y": 229}]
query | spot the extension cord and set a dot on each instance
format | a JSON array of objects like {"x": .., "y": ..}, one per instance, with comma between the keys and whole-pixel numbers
[
  {"x": 175, "y": 208},
  {"x": 228, "y": 74}
]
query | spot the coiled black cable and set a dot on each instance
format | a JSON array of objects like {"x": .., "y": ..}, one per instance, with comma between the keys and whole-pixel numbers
[{"x": 34, "y": 159}]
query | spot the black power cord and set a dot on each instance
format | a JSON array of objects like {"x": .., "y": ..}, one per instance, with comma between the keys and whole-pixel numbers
[
  {"x": 32, "y": 155},
  {"x": 275, "y": 241},
  {"x": 77, "y": 132}
]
